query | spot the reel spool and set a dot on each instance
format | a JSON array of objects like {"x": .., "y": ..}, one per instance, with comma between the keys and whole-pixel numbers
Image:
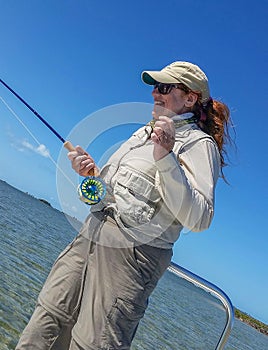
[{"x": 91, "y": 190}]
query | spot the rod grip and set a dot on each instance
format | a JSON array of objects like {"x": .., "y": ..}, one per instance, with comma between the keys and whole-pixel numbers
[{"x": 69, "y": 146}]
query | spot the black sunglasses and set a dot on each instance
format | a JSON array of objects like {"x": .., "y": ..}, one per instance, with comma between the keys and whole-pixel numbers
[{"x": 165, "y": 89}]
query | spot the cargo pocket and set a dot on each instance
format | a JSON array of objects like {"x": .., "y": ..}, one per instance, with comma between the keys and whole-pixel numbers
[
  {"x": 121, "y": 325},
  {"x": 136, "y": 197}
]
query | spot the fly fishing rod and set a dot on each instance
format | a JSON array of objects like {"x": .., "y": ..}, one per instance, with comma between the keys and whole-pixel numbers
[{"x": 92, "y": 189}]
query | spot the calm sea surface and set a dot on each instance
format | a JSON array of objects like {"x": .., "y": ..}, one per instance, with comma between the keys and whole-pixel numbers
[{"x": 180, "y": 316}]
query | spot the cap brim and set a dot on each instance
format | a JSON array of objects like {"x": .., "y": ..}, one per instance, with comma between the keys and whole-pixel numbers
[{"x": 153, "y": 77}]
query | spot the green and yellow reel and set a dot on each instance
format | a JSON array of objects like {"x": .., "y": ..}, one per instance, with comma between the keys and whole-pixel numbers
[{"x": 92, "y": 190}]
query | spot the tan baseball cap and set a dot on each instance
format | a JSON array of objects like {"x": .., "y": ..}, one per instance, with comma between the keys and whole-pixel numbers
[{"x": 180, "y": 72}]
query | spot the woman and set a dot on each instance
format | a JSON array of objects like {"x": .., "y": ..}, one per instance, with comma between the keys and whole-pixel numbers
[{"x": 159, "y": 181}]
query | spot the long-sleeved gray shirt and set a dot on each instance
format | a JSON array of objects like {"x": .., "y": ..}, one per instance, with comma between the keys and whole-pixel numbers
[{"x": 153, "y": 200}]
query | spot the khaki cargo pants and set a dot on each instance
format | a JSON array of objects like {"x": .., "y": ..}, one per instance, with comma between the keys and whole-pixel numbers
[{"x": 96, "y": 292}]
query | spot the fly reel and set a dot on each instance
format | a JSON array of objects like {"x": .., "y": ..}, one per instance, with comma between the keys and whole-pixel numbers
[{"x": 91, "y": 190}]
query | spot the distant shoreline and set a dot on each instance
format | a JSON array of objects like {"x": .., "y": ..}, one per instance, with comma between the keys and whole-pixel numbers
[
  {"x": 46, "y": 202},
  {"x": 43, "y": 201},
  {"x": 251, "y": 321}
]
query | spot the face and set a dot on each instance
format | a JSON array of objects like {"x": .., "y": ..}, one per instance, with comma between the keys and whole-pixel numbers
[{"x": 173, "y": 103}]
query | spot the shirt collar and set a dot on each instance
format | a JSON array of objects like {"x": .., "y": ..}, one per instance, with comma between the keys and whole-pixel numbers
[{"x": 183, "y": 116}]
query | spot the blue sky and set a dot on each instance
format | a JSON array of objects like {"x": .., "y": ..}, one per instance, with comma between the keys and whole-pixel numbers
[{"x": 70, "y": 59}]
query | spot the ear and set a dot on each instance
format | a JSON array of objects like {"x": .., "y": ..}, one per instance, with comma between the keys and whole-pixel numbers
[{"x": 191, "y": 99}]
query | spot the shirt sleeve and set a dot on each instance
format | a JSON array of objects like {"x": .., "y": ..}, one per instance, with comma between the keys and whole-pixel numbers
[{"x": 187, "y": 183}]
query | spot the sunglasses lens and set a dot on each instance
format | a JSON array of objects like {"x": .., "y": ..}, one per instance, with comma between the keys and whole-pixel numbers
[{"x": 163, "y": 89}]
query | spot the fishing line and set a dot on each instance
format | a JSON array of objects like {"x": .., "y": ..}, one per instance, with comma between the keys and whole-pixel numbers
[
  {"x": 35, "y": 139},
  {"x": 34, "y": 112},
  {"x": 92, "y": 189}
]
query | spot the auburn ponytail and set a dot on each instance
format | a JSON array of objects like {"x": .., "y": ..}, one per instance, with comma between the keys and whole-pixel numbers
[{"x": 214, "y": 119}]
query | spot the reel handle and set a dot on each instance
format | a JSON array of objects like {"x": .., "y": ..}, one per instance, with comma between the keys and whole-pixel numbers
[{"x": 69, "y": 146}]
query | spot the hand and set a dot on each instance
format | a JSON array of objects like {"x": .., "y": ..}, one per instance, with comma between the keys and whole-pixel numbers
[
  {"x": 163, "y": 136},
  {"x": 82, "y": 162}
]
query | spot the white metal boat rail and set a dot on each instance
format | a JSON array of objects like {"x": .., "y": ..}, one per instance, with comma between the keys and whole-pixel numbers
[{"x": 214, "y": 290}]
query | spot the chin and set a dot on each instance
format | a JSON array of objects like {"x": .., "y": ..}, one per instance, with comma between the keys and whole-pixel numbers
[
  {"x": 157, "y": 111},
  {"x": 162, "y": 111}
]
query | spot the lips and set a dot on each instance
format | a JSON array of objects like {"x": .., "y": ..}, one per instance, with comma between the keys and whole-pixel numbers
[{"x": 159, "y": 103}]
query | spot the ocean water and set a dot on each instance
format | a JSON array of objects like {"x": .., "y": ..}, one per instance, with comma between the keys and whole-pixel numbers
[{"x": 180, "y": 316}]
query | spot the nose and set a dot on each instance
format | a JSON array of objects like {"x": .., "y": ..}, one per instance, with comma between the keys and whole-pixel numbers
[{"x": 155, "y": 90}]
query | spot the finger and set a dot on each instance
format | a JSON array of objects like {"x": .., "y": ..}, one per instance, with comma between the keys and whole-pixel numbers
[
  {"x": 159, "y": 125},
  {"x": 80, "y": 150},
  {"x": 164, "y": 118},
  {"x": 76, "y": 162},
  {"x": 72, "y": 155},
  {"x": 165, "y": 123},
  {"x": 158, "y": 130},
  {"x": 155, "y": 138},
  {"x": 87, "y": 163},
  {"x": 86, "y": 170},
  {"x": 80, "y": 159}
]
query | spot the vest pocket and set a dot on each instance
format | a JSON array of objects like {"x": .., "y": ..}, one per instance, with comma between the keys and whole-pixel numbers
[{"x": 136, "y": 197}]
